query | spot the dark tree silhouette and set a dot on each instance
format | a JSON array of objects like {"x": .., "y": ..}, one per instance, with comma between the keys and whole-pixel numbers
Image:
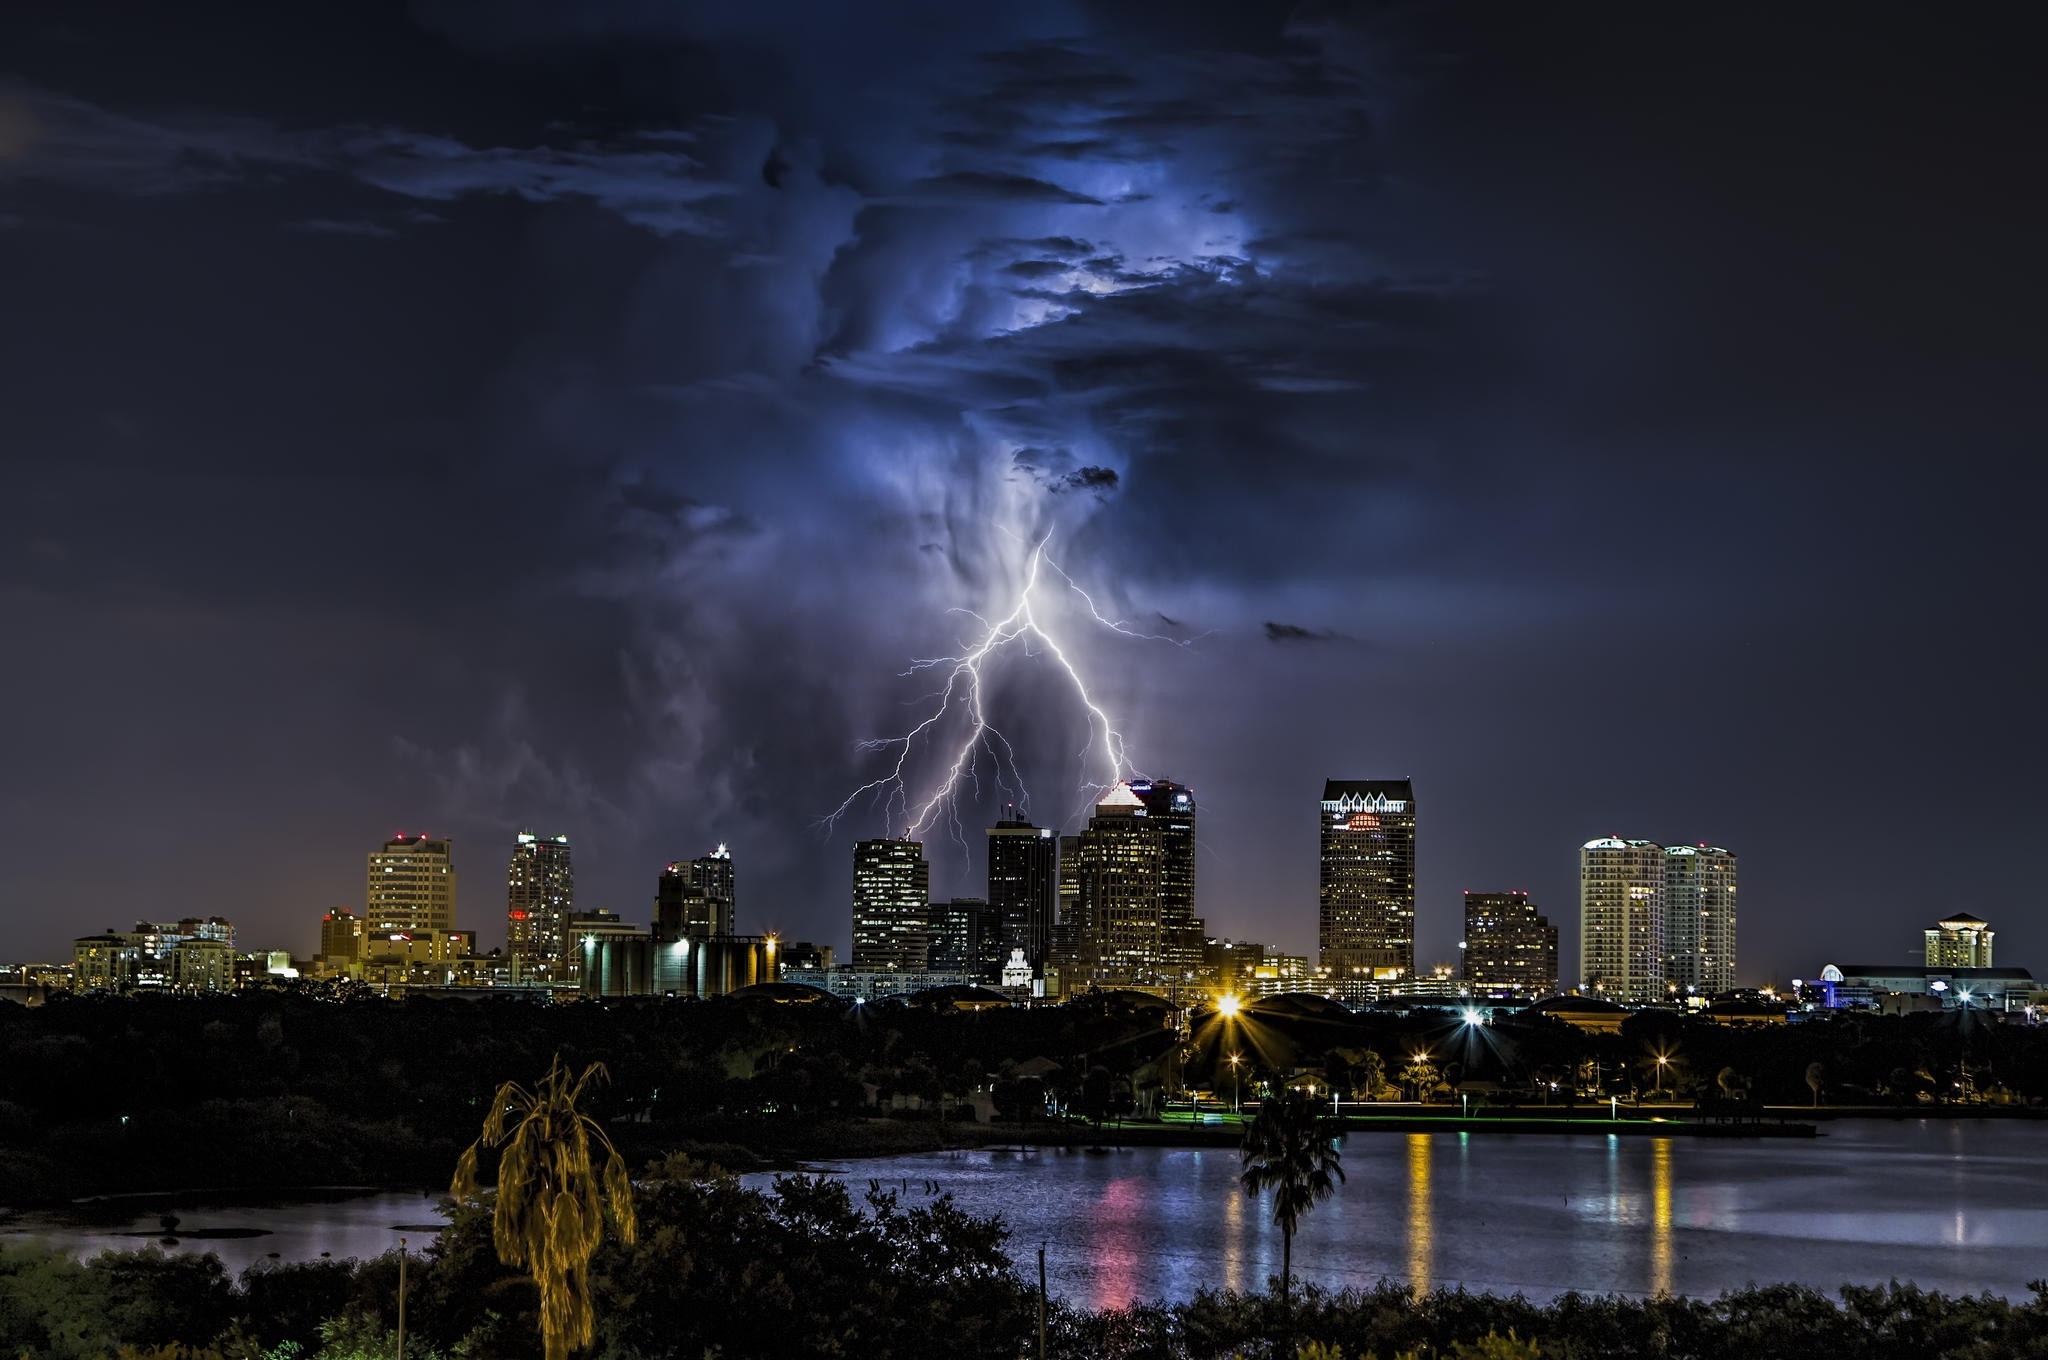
[{"x": 1292, "y": 1150}]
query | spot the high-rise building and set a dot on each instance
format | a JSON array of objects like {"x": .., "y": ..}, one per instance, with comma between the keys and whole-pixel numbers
[
  {"x": 411, "y": 887},
  {"x": 1126, "y": 892},
  {"x": 1621, "y": 919},
  {"x": 1170, "y": 808},
  {"x": 540, "y": 894},
  {"x": 891, "y": 906},
  {"x": 1366, "y": 930},
  {"x": 1510, "y": 948},
  {"x": 965, "y": 938},
  {"x": 1959, "y": 941},
  {"x": 695, "y": 897},
  {"x": 1023, "y": 885},
  {"x": 1699, "y": 919}
]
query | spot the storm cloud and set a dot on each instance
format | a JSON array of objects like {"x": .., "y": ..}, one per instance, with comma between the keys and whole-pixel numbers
[{"x": 493, "y": 415}]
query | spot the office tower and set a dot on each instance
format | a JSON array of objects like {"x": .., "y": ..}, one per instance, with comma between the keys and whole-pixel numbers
[
  {"x": 891, "y": 906},
  {"x": 1366, "y": 931},
  {"x": 965, "y": 937},
  {"x": 1112, "y": 919},
  {"x": 1510, "y": 948},
  {"x": 411, "y": 888},
  {"x": 695, "y": 898},
  {"x": 1023, "y": 885},
  {"x": 1699, "y": 919},
  {"x": 540, "y": 893},
  {"x": 341, "y": 937},
  {"x": 1170, "y": 809},
  {"x": 1621, "y": 919},
  {"x": 1959, "y": 941}
]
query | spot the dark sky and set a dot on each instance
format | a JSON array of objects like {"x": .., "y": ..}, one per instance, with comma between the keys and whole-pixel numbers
[{"x": 461, "y": 416}]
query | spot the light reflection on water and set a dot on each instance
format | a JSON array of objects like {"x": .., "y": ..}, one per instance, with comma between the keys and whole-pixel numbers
[
  {"x": 1950, "y": 1205},
  {"x": 1234, "y": 1215},
  {"x": 1953, "y": 1206},
  {"x": 1421, "y": 1229},
  {"x": 1660, "y": 1215}
]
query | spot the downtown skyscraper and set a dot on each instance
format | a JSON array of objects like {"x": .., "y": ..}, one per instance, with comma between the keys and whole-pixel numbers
[
  {"x": 695, "y": 898},
  {"x": 892, "y": 891},
  {"x": 411, "y": 887},
  {"x": 1126, "y": 891},
  {"x": 1170, "y": 809},
  {"x": 1365, "y": 931},
  {"x": 1510, "y": 949},
  {"x": 540, "y": 892},
  {"x": 1023, "y": 886}
]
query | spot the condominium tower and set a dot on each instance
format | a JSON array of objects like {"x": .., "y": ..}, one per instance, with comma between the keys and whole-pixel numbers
[
  {"x": 891, "y": 906},
  {"x": 1656, "y": 921},
  {"x": 411, "y": 887},
  {"x": 1366, "y": 928},
  {"x": 540, "y": 893},
  {"x": 1621, "y": 919},
  {"x": 1699, "y": 919}
]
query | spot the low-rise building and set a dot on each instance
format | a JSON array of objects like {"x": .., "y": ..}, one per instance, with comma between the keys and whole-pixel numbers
[
  {"x": 872, "y": 984},
  {"x": 1873, "y": 985},
  {"x": 196, "y": 954}
]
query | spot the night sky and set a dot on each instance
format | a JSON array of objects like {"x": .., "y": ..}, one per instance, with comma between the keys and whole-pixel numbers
[{"x": 1618, "y": 418}]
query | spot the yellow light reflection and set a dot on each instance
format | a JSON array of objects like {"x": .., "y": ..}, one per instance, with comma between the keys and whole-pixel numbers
[
  {"x": 1660, "y": 1215},
  {"x": 1421, "y": 1220},
  {"x": 1233, "y": 1238}
]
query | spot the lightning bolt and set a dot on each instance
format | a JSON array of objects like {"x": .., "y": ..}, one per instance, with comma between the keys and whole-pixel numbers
[{"x": 962, "y": 691}]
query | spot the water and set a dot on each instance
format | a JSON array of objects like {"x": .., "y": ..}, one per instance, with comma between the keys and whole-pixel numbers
[
  {"x": 1955, "y": 1206},
  {"x": 338, "y": 1224}
]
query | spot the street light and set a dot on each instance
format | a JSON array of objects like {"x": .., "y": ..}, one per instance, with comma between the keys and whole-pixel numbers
[
  {"x": 1228, "y": 1007},
  {"x": 1661, "y": 1060},
  {"x": 1235, "y": 1109}
]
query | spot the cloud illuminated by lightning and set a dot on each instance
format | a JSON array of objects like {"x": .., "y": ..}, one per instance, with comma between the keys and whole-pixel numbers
[{"x": 963, "y": 693}]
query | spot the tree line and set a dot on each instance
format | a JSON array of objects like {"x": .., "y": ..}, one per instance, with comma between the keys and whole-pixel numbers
[{"x": 267, "y": 1091}]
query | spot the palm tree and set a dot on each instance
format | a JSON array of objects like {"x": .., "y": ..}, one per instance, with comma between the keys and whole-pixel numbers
[
  {"x": 553, "y": 1198},
  {"x": 1292, "y": 1150}
]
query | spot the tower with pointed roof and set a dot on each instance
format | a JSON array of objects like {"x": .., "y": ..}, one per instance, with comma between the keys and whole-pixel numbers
[{"x": 1365, "y": 927}]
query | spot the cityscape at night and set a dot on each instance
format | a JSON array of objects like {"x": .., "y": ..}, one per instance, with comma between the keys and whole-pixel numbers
[{"x": 1330, "y": 679}]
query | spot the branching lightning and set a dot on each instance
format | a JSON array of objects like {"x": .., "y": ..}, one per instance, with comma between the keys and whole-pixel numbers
[{"x": 964, "y": 692}]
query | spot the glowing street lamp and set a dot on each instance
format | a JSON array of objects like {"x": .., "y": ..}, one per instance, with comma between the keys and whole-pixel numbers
[
  {"x": 1228, "y": 1007},
  {"x": 1661, "y": 1060},
  {"x": 1235, "y": 1060}
]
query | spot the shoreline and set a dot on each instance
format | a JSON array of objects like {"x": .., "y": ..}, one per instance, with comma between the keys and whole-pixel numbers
[{"x": 799, "y": 1149}]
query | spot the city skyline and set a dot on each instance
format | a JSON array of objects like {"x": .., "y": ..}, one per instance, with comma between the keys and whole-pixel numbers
[
  {"x": 427, "y": 902},
  {"x": 609, "y": 422}
]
